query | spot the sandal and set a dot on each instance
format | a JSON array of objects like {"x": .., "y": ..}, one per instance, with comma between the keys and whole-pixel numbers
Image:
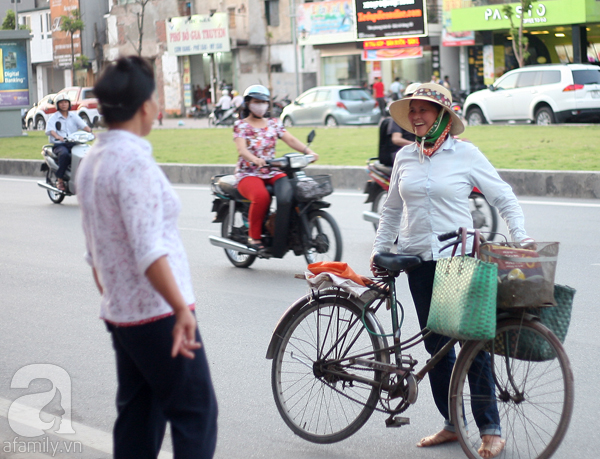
[
  {"x": 491, "y": 446},
  {"x": 60, "y": 184},
  {"x": 443, "y": 436},
  {"x": 255, "y": 244}
]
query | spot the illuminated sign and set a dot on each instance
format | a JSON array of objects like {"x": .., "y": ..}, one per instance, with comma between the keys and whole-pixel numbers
[
  {"x": 386, "y": 43},
  {"x": 390, "y": 18},
  {"x": 14, "y": 79}
]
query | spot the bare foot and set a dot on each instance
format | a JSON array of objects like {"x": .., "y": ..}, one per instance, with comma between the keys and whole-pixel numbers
[
  {"x": 491, "y": 446},
  {"x": 443, "y": 436}
]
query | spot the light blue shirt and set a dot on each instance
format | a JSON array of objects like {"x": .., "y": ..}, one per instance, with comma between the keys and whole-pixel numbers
[
  {"x": 72, "y": 123},
  {"x": 432, "y": 198}
]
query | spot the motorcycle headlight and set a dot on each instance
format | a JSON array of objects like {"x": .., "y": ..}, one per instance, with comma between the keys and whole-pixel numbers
[{"x": 299, "y": 161}]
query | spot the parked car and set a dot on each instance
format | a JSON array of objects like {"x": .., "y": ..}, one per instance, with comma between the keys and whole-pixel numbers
[
  {"x": 38, "y": 115},
  {"x": 541, "y": 94},
  {"x": 332, "y": 105},
  {"x": 84, "y": 103}
]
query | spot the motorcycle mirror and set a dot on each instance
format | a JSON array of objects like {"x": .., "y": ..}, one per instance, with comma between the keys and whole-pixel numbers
[
  {"x": 58, "y": 125},
  {"x": 311, "y": 136}
]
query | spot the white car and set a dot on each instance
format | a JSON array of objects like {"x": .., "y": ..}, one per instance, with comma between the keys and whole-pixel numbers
[
  {"x": 38, "y": 115},
  {"x": 540, "y": 94}
]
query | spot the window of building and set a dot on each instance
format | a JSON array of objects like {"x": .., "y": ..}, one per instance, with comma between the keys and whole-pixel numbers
[
  {"x": 343, "y": 70},
  {"x": 48, "y": 25},
  {"x": 231, "y": 16},
  {"x": 272, "y": 12},
  {"x": 276, "y": 68}
]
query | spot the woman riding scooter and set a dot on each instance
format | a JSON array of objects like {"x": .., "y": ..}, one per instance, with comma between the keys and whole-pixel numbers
[{"x": 255, "y": 137}]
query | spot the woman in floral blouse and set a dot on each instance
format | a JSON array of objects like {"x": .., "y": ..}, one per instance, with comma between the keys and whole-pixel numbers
[{"x": 255, "y": 137}]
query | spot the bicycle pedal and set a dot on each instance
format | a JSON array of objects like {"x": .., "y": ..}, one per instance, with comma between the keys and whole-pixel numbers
[{"x": 397, "y": 421}]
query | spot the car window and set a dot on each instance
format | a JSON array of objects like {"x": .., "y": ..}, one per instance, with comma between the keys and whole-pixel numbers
[
  {"x": 550, "y": 77},
  {"x": 508, "y": 82},
  {"x": 586, "y": 76},
  {"x": 323, "y": 96},
  {"x": 307, "y": 98},
  {"x": 72, "y": 94},
  {"x": 88, "y": 94},
  {"x": 527, "y": 79},
  {"x": 354, "y": 94}
]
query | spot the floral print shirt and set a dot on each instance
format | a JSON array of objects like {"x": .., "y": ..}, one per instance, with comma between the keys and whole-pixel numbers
[
  {"x": 129, "y": 215},
  {"x": 261, "y": 143}
]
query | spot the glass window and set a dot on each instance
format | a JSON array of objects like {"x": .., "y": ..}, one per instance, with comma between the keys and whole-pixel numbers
[
  {"x": 586, "y": 76},
  {"x": 323, "y": 96},
  {"x": 508, "y": 82},
  {"x": 550, "y": 77},
  {"x": 307, "y": 98},
  {"x": 527, "y": 79},
  {"x": 355, "y": 94},
  {"x": 88, "y": 94},
  {"x": 348, "y": 70}
]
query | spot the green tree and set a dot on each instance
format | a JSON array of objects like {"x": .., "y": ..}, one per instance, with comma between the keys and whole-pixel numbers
[
  {"x": 72, "y": 24},
  {"x": 520, "y": 42},
  {"x": 9, "y": 21}
]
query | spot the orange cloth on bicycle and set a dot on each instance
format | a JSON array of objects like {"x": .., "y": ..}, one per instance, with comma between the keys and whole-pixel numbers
[{"x": 339, "y": 269}]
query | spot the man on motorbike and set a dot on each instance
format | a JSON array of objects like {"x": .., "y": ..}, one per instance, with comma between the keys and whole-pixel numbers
[
  {"x": 223, "y": 104},
  {"x": 60, "y": 125}
]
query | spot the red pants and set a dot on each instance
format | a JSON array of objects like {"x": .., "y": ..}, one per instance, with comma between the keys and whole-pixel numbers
[{"x": 254, "y": 189}]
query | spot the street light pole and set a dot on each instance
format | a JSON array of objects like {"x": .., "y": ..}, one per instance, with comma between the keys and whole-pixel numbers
[{"x": 294, "y": 44}]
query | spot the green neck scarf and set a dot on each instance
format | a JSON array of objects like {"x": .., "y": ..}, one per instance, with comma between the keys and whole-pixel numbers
[{"x": 436, "y": 130}]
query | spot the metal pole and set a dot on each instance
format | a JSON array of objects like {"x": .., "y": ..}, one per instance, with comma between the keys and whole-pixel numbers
[{"x": 294, "y": 44}]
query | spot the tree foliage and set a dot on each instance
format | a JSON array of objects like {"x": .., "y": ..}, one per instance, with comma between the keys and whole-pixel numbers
[
  {"x": 72, "y": 24},
  {"x": 9, "y": 21},
  {"x": 520, "y": 42}
]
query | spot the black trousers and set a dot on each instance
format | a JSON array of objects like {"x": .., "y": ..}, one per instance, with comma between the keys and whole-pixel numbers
[
  {"x": 154, "y": 388},
  {"x": 63, "y": 151}
]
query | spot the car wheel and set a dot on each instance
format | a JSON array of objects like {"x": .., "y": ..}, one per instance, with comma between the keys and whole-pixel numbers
[
  {"x": 288, "y": 122},
  {"x": 544, "y": 116},
  {"x": 475, "y": 117},
  {"x": 85, "y": 118},
  {"x": 30, "y": 125},
  {"x": 330, "y": 121},
  {"x": 40, "y": 124}
]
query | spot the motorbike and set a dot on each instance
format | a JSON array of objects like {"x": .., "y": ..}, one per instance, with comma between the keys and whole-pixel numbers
[
  {"x": 296, "y": 220},
  {"x": 485, "y": 217},
  {"x": 220, "y": 117},
  {"x": 279, "y": 105},
  {"x": 200, "y": 110},
  {"x": 79, "y": 140}
]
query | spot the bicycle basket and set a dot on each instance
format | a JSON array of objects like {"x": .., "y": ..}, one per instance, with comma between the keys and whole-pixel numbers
[
  {"x": 525, "y": 276},
  {"x": 312, "y": 187},
  {"x": 528, "y": 346}
]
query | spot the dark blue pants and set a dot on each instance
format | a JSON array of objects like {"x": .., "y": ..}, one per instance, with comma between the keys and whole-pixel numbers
[
  {"x": 63, "y": 151},
  {"x": 154, "y": 388},
  {"x": 420, "y": 281}
]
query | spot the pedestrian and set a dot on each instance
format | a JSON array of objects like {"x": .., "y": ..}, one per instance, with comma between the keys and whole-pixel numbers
[
  {"x": 379, "y": 94},
  {"x": 396, "y": 89},
  {"x": 160, "y": 118},
  {"x": 129, "y": 217},
  {"x": 429, "y": 196},
  {"x": 446, "y": 83}
]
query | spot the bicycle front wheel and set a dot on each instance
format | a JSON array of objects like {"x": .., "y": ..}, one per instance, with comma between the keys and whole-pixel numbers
[
  {"x": 533, "y": 384},
  {"x": 313, "y": 372}
]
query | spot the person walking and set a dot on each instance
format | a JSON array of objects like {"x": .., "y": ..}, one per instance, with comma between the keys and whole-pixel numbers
[
  {"x": 379, "y": 94},
  {"x": 429, "y": 195},
  {"x": 129, "y": 216},
  {"x": 396, "y": 89}
]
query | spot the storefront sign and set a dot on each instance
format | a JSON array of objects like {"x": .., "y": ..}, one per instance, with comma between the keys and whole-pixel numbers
[
  {"x": 387, "y": 43},
  {"x": 320, "y": 23},
  {"x": 198, "y": 34},
  {"x": 392, "y": 54},
  {"x": 14, "y": 80},
  {"x": 61, "y": 41},
  {"x": 535, "y": 14},
  {"x": 390, "y": 18}
]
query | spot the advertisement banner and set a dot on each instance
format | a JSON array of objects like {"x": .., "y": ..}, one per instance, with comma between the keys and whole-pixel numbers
[
  {"x": 320, "y": 23},
  {"x": 14, "y": 80},
  {"x": 385, "y": 43},
  {"x": 392, "y": 54},
  {"x": 449, "y": 38},
  {"x": 61, "y": 41},
  {"x": 390, "y": 18},
  {"x": 198, "y": 34}
]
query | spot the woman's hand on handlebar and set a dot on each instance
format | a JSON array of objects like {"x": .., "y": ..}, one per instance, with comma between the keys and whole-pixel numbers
[
  {"x": 314, "y": 155},
  {"x": 259, "y": 162}
]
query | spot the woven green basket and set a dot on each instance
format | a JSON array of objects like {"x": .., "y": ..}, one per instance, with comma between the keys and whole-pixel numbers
[
  {"x": 529, "y": 346},
  {"x": 463, "y": 304}
]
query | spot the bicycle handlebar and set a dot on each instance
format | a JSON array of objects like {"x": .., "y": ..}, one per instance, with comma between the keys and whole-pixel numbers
[{"x": 451, "y": 234}]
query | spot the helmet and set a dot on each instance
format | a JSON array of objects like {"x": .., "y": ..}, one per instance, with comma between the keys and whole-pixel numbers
[
  {"x": 225, "y": 92},
  {"x": 257, "y": 91},
  {"x": 234, "y": 93},
  {"x": 60, "y": 97},
  {"x": 410, "y": 89}
]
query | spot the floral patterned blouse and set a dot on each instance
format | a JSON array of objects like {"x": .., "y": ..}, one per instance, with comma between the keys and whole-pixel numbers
[{"x": 261, "y": 143}]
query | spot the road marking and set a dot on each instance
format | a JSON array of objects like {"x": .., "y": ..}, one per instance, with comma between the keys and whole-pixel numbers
[
  {"x": 88, "y": 436},
  {"x": 199, "y": 229},
  {"x": 564, "y": 204}
]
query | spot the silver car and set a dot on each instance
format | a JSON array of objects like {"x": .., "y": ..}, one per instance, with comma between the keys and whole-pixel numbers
[{"x": 332, "y": 105}]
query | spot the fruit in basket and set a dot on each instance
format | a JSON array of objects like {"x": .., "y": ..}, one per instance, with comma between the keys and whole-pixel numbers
[{"x": 515, "y": 274}]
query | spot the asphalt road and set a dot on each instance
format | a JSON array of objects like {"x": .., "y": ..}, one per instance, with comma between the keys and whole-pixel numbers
[{"x": 49, "y": 309}]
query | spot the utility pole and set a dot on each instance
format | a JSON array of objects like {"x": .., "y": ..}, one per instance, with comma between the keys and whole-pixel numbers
[
  {"x": 294, "y": 44},
  {"x": 16, "y": 2}
]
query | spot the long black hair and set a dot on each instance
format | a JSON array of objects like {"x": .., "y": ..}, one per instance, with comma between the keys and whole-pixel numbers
[{"x": 123, "y": 87}]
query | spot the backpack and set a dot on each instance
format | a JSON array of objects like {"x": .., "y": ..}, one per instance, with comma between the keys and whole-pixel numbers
[{"x": 387, "y": 150}]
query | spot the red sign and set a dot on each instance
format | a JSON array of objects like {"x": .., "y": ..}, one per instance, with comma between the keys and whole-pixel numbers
[{"x": 387, "y": 43}]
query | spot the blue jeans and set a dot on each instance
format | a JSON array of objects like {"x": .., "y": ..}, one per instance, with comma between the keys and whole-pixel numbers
[
  {"x": 154, "y": 388},
  {"x": 420, "y": 281},
  {"x": 63, "y": 151}
]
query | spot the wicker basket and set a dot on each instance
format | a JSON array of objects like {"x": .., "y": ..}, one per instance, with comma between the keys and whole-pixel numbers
[{"x": 314, "y": 187}]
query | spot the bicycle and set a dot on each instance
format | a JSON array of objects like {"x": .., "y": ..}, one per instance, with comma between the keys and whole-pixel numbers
[{"x": 333, "y": 367}]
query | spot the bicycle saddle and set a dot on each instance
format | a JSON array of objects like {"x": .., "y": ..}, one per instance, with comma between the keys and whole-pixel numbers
[{"x": 395, "y": 262}]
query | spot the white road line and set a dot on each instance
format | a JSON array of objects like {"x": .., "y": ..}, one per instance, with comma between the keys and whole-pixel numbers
[
  {"x": 199, "y": 229},
  {"x": 88, "y": 436},
  {"x": 563, "y": 204}
]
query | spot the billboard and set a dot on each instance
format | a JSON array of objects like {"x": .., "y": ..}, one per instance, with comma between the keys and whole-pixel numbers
[
  {"x": 61, "y": 41},
  {"x": 14, "y": 78},
  {"x": 392, "y": 54},
  {"x": 390, "y": 18},
  {"x": 325, "y": 22},
  {"x": 449, "y": 38},
  {"x": 198, "y": 34}
]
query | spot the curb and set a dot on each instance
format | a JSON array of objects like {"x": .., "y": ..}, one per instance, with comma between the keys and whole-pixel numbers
[{"x": 565, "y": 184}]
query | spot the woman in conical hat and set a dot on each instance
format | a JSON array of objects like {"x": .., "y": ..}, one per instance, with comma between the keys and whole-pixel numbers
[{"x": 429, "y": 195}]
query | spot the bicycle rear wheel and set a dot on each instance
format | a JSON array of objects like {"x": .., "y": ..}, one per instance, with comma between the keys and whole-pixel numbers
[
  {"x": 312, "y": 372},
  {"x": 533, "y": 390}
]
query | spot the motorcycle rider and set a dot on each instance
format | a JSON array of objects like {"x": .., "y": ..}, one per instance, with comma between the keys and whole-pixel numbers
[
  {"x": 255, "y": 137},
  {"x": 60, "y": 125},
  {"x": 223, "y": 104}
]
